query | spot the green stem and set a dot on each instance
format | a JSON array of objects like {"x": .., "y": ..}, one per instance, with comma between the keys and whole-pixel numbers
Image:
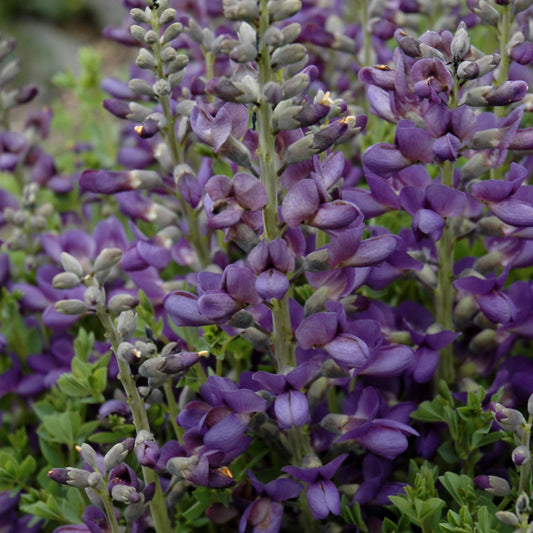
[
  {"x": 173, "y": 410},
  {"x": 504, "y": 29},
  {"x": 140, "y": 419},
  {"x": 307, "y": 520},
  {"x": 445, "y": 293},
  {"x": 525, "y": 469},
  {"x": 282, "y": 334},
  {"x": 109, "y": 510},
  {"x": 201, "y": 245}
]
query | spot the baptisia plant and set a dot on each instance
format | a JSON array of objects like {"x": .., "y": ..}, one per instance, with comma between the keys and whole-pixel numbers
[{"x": 274, "y": 311}]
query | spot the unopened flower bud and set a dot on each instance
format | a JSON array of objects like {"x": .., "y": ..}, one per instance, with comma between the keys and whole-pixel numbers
[
  {"x": 291, "y": 32},
  {"x": 522, "y": 504},
  {"x": 9, "y": 71},
  {"x": 128, "y": 353},
  {"x": 334, "y": 423},
  {"x": 178, "y": 63},
  {"x": 122, "y": 302},
  {"x": 107, "y": 258},
  {"x": 168, "y": 54},
  {"x": 509, "y": 419},
  {"x": 145, "y": 59},
  {"x": 141, "y": 87},
  {"x": 493, "y": 485},
  {"x": 127, "y": 324},
  {"x": 140, "y": 16},
  {"x": 240, "y": 9},
  {"x": 118, "y": 453},
  {"x": 460, "y": 42},
  {"x": 147, "y": 349},
  {"x": 172, "y": 32},
  {"x": 530, "y": 405},
  {"x": 124, "y": 493},
  {"x": 66, "y": 280},
  {"x": 150, "y": 37},
  {"x": 138, "y": 32},
  {"x": 521, "y": 455},
  {"x": 468, "y": 70},
  {"x": 285, "y": 55},
  {"x": 483, "y": 341},
  {"x": 71, "y": 307},
  {"x": 73, "y": 477},
  {"x": 71, "y": 264},
  {"x": 486, "y": 13},
  {"x": 89, "y": 455},
  {"x": 168, "y": 16},
  {"x": 182, "y": 467},
  {"x": 283, "y": 9},
  {"x": 241, "y": 319},
  {"x": 408, "y": 44},
  {"x": 161, "y": 88},
  {"x": 316, "y": 261},
  {"x": 506, "y": 517}
]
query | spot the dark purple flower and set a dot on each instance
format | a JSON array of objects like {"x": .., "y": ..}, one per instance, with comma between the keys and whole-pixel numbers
[{"x": 322, "y": 494}]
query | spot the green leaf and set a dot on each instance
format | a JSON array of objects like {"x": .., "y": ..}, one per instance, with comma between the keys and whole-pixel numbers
[
  {"x": 429, "y": 412},
  {"x": 73, "y": 386},
  {"x": 27, "y": 467},
  {"x": 448, "y": 453},
  {"x": 431, "y": 507},
  {"x": 388, "y": 526},
  {"x": 405, "y": 507}
]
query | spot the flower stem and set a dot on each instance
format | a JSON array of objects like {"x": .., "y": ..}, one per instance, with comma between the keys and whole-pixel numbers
[
  {"x": 109, "y": 511},
  {"x": 140, "y": 419},
  {"x": 445, "y": 293},
  {"x": 282, "y": 333},
  {"x": 201, "y": 245},
  {"x": 504, "y": 29}
]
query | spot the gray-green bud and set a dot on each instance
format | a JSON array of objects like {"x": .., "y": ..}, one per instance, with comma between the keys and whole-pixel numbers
[
  {"x": 71, "y": 307},
  {"x": 118, "y": 453},
  {"x": 285, "y": 55},
  {"x": 71, "y": 264},
  {"x": 9, "y": 71},
  {"x": 66, "y": 280},
  {"x": 141, "y": 87},
  {"x": 150, "y": 37},
  {"x": 240, "y": 9},
  {"x": 89, "y": 455},
  {"x": 140, "y": 16},
  {"x": 94, "y": 296},
  {"x": 460, "y": 42},
  {"x": 108, "y": 258},
  {"x": 137, "y": 32},
  {"x": 124, "y": 493},
  {"x": 178, "y": 63},
  {"x": 169, "y": 15},
  {"x": 161, "y": 88},
  {"x": 283, "y": 9},
  {"x": 128, "y": 353},
  {"x": 122, "y": 302},
  {"x": 172, "y": 32},
  {"x": 291, "y": 32},
  {"x": 168, "y": 54},
  {"x": 145, "y": 59},
  {"x": 506, "y": 517},
  {"x": 127, "y": 324}
]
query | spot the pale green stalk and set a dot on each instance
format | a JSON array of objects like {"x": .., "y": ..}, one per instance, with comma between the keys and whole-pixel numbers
[
  {"x": 282, "y": 335},
  {"x": 140, "y": 419}
]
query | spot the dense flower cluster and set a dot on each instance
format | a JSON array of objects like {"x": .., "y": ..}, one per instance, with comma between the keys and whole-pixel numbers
[{"x": 299, "y": 295}]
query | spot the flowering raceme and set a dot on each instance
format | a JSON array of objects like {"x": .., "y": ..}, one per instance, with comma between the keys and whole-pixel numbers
[{"x": 282, "y": 287}]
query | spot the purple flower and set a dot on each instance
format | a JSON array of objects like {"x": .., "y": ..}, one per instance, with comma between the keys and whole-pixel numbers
[{"x": 322, "y": 494}]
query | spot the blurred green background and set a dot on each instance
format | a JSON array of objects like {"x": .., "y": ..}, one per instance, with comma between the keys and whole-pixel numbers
[{"x": 50, "y": 33}]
